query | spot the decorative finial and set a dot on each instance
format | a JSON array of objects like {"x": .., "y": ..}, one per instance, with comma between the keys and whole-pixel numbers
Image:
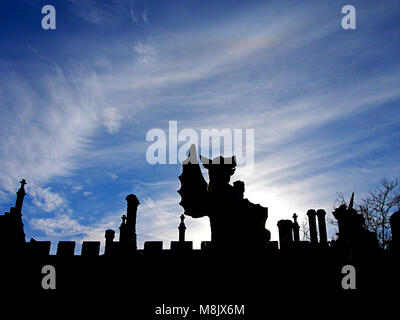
[
  {"x": 351, "y": 201},
  {"x": 123, "y": 218},
  {"x": 295, "y": 217},
  {"x": 21, "y": 193},
  {"x": 182, "y": 229}
]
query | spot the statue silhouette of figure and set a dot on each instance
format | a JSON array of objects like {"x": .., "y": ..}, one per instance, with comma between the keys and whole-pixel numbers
[
  {"x": 353, "y": 234},
  {"x": 235, "y": 222}
]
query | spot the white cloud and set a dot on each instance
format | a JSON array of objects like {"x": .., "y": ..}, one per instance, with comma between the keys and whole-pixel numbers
[
  {"x": 3, "y": 196},
  {"x": 61, "y": 225},
  {"x": 100, "y": 14},
  {"x": 112, "y": 119},
  {"x": 66, "y": 227},
  {"x": 112, "y": 175},
  {"x": 48, "y": 130},
  {"x": 133, "y": 16},
  {"x": 76, "y": 189},
  {"x": 147, "y": 52},
  {"x": 46, "y": 199},
  {"x": 159, "y": 220},
  {"x": 144, "y": 17}
]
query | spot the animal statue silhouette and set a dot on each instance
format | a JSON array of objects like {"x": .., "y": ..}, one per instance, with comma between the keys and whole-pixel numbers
[{"x": 235, "y": 222}]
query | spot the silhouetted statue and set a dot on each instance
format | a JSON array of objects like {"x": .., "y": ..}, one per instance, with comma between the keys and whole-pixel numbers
[
  {"x": 20, "y": 234},
  {"x": 238, "y": 186},
  {"x": 353, "y": 235},
  {"x": 123, "y": 236},
  {"x": 296, "y": 229},
  {"x": 235, "y": 222},
  {"x": 182, "y": 229},
  {"x": 12, "y": 235}
]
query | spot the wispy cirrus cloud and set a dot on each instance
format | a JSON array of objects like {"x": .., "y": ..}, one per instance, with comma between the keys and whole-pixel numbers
[
  {"x": 65, "y": 227},
  {"x": 112, "y": 119},
  {"x": 46, "y": 199},
  {"x": 322, "y": 103},
  {"x": 62, "y": 225},
  {"x": 147, "y": 52}
]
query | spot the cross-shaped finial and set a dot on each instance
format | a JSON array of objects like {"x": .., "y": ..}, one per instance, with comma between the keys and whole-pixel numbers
[
  {"x": 182, "y": 217},
  {"x": 123, "y": 219},
  {"x": 295, "y": 217},
  {"x": 22, "y": 182}
]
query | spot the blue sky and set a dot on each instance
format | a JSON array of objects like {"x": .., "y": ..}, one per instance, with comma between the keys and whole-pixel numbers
[{"x": 76, "y": 104}]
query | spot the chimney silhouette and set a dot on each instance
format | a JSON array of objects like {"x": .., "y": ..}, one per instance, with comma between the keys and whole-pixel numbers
[
  {"x": 131, "y": 213},
  {"x": 285, "y": 233},
  {"x": 313, "y": 226},
  {"x": 323, "y": 238},
  {"x": 109, "y": 235}
]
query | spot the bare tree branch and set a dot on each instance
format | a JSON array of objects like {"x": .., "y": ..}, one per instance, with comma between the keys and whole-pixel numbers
[
  {"x": 305, "y": 231},
  {"x": 376, "y": 208}
]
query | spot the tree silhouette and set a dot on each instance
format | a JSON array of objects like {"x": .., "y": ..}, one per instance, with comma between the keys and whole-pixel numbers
[
  {"x": 377, "y": 206},
  {"x": 305, "y": 230}
]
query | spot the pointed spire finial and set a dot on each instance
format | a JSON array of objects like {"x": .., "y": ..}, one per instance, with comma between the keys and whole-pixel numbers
[{"x": 351, "y": 201}]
